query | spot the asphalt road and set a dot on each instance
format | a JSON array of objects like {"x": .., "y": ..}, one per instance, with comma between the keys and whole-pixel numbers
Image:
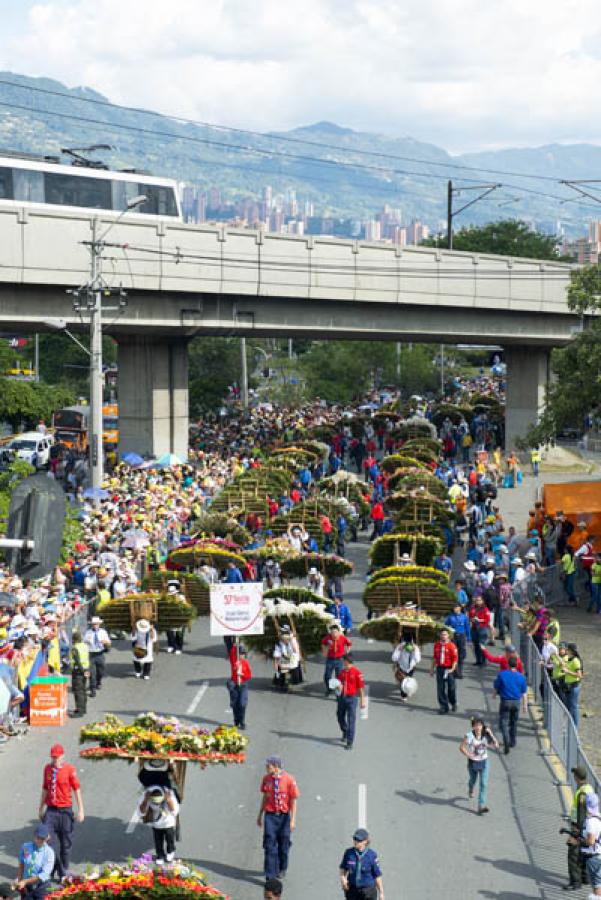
[{"x": 405, "y": 780}]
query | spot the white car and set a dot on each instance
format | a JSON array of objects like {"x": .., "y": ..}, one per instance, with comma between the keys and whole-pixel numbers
[{"x": 33, "y": 447}]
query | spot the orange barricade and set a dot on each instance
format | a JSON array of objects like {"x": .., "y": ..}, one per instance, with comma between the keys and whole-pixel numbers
[{"x": 48, "y": 700}]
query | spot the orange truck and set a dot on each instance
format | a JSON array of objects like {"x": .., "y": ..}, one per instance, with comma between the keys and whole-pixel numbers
[{"x": 71, "y": 426}]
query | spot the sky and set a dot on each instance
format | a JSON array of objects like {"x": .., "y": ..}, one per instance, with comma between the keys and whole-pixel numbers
[{"x": 463, "y": 74}]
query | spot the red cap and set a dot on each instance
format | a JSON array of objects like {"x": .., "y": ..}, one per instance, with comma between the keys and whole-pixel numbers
[{"x": 57, "y": 750}]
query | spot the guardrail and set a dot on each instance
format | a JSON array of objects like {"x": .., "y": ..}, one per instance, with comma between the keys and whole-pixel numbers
[{"x": 558, "y": 723}]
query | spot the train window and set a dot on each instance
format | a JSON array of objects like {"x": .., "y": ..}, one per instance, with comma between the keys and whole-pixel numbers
[
  {"x": 73, "y": 190},
  {"x": 6, "y": 183},
  {"x": 123, "y": 192},
  {"x": 161, "y": 200},
  {"x": 28, "y": 185}
]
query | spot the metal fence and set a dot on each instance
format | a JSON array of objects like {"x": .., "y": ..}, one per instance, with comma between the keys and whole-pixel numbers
[{"x": 558, "y": 723}]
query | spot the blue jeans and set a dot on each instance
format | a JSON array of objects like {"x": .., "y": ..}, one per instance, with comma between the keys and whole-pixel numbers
[
  {"x": 276, "y": 843},
  {"x": 333, "y": 667},
  {"x": 569, "y": 587},
  {"x": 509, "y": 713},
  {"x": 473, "y": 777},
  {"x": 571, "y": 699},
  {"x": 346, "y": 713},
  {"x": 593, "y": 869},
  {"x": 595, "y": 601},
  {"x": 238, "y": 700}
]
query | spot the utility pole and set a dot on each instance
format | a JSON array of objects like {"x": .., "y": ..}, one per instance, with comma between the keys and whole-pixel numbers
[
  {"x": 244, "y": 376},
  {"x": 37, "y": 356},
  {"x": 96, "y": 374},
  {"x": 398, "y": 362},
  {"x": 442, "y": 371},
  {"x": 451, "y": 214}
]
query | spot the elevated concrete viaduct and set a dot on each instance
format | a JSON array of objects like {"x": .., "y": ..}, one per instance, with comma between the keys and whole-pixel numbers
[{"x": 186, "y": 280}]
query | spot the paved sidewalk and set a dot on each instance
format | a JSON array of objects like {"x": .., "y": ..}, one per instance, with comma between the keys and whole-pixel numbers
[{"x": 576, "y": 625}]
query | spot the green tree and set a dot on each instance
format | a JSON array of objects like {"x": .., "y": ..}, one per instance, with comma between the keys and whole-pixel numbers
[
  {"x": 215, "y": 364},
  {"x": 24, "y": 403},
  {"x": 576, "y": 389},
  {"x": 63, "y": 362},
  {"x": 507, "y": 237}
]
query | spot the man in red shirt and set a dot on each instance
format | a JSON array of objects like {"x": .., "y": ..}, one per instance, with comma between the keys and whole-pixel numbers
[
  {"x": 377, "y": 517},
  {"x": 480, "y": 619},
  {"x": 335, "y": 645},
  {"x": 238, "y": 684},
  {"x": 352, "y": 683},
  {"x": 444, "y": 662},
  {"x": 59, "y": 782},
  {"x": 278, "y": 808},
  {"x": 503, "y": 661}
]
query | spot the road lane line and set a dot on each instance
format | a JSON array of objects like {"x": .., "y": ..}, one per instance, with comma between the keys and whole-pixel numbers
[
  {"x": 365, "y": 712},
  {"x": 197, "y": 697},
  {"x": 362, "y": 804}
]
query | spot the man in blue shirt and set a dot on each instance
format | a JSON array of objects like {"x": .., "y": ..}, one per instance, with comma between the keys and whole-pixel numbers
[
  {"x": 459, "y": 622},
  {"x": 511, "y": 687},
  {"x": 36, "y": 862},
  {"x": 461, "y": 594},
  {"x": 233, "y": 575},
  {"x": 340, "y": 611},
  {"x": 360, "y": 873}
]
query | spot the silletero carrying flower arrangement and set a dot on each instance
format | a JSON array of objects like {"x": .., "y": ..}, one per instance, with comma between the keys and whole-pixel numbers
[
  {"x": 150, "y": 735},
  {"x": 138, "y": 880}
]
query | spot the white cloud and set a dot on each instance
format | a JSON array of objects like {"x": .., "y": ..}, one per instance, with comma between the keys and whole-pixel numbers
[{"x": 460, "y": 73}]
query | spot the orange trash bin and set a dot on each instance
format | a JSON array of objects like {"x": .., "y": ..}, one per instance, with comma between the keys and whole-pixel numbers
[{"x": 48, "y": 700}]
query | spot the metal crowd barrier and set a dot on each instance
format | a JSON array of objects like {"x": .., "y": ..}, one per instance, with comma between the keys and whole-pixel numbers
[{"x": 563, "y": 734}]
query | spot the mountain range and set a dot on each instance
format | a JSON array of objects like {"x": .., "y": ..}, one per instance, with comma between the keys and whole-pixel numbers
[{"x": 345, "y": 173}]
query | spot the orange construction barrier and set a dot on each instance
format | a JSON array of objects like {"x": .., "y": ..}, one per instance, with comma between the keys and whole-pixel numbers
[
  {"x": 48, "y": 700},
  {"x": 580, "y": 501}
]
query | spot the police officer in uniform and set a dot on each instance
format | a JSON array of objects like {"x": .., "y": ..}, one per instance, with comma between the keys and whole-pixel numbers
[
  {"x": 360, "y": 873},
  {"x": 576, "y": 862},
  {"x": 80, "y": 672}
]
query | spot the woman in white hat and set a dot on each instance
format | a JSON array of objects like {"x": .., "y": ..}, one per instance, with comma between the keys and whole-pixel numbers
[
  {"x": 143, "y": 638},
  {"x": 316, "y": 581}
]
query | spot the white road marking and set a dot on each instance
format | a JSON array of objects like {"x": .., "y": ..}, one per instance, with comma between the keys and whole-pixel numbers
[
  {"x": 197, "y": 697},
  {"x": 362, "y": 806}
]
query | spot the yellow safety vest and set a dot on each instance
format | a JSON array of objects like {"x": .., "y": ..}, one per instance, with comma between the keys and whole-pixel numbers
[
  {"x": 575, "y": 666},
  {"x": 584, "y": 789},
  {"x": 569, "y": 566}
]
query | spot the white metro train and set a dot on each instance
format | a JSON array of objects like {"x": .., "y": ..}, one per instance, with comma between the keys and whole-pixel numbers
[{"x": 46, "y": 183}]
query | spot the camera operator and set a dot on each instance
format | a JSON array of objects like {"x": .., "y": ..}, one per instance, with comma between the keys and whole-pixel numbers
[{"x": 576, "y": 861}]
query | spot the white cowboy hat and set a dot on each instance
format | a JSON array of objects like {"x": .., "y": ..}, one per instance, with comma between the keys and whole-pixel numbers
[
  {"x": 143, "y": 625},
  {"x": 95, "y": 620},
  {"x": 470, "y": 565}
]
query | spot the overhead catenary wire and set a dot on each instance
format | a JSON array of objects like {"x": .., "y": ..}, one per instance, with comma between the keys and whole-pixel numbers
[
  {"x": 265, "y": 153},
  {"x": 276, "y": 136}
]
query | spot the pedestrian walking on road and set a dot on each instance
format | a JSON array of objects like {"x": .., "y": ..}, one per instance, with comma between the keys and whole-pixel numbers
[
  {"x": 36, "y": 863},
  {"x": 59, "y": 783},
  {"x": 334, "y": 645},
  {"x": 351, "y": 685},
  {"x": 143, "y": 638},
  {"x": 277, "y": 816},
  {"x": 480, "y": 621},
  {"x": 405, "y": 658},
  {"x": 159, "y": 808},
  {"x": 444, "y": 662},
  {"x": 576, "y": 861},
  {"x": 459, "y": 622},
  {"x": 238, "y": 684},
  {"x": 360, "y": 872},
  {"x": 511, "y": 687},
  {"x": 475, "y": 746},
  {"x": 80, "y": 673},
  {"x": 175, "y": 636},
  {"x": 98, "y": 643},
  {"x": 273, "y": 889}
]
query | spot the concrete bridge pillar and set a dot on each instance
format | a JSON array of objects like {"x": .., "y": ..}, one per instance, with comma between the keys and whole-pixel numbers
[
  {"x": 527, "y": 379},
  {"x": 153, "y": 396}
]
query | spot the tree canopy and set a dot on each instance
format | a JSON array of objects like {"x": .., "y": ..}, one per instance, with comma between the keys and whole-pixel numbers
[{"x": 507, "y": 237}]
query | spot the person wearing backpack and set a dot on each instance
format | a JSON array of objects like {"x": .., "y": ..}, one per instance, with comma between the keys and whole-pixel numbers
[
  {"x": 475, "y": 746},
  {"x": 159, "y": 808}
]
